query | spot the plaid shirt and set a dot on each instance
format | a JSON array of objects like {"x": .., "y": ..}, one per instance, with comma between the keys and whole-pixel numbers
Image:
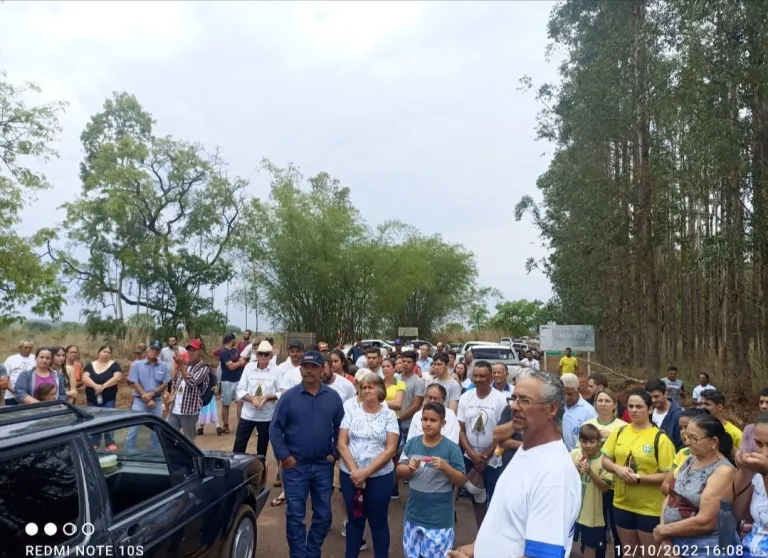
[{"x": 196, "y": 384}]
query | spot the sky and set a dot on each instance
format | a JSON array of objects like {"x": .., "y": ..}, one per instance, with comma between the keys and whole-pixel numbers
[{"x": 413, "y": 105}]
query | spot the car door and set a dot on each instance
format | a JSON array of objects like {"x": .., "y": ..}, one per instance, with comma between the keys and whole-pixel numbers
[{"x": 154, "y": 490}]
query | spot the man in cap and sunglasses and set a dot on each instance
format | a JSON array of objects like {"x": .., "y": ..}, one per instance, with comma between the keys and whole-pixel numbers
[
  {"x": 188, "y": 386},
  {"x": 304, "y": 433}
]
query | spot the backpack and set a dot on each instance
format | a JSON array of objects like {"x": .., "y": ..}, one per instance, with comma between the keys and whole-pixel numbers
[
  {"x": 208, "y": 393},
  {"x": 659, "y": 433}
]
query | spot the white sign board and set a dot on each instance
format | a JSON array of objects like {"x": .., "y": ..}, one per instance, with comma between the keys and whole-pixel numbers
[
  {"x": 580, "y": 338},
  {"x": 408, "y": 331}
]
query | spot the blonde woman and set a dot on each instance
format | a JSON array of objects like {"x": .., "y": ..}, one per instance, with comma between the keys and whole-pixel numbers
[{"x": 367, "y": 444}]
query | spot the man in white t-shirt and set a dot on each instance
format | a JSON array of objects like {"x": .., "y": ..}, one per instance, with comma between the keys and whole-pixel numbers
[
  {"x": 339, "y": 384},
  {"x": 15, "y": 365},
  {"x": 436, "y": 393},
  {"x": 289, "y": 372},
  {"x": 539, "y": 493},
  {"x": 479, "y": 412},
  {"x": 529, "y": 361}
]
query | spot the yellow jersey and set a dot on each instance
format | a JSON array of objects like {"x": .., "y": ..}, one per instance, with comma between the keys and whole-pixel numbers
[
  {"x": 610, "y": 427},
  {"x": 569, "y": 364},
  {"x": 680, "y": 458},
  {"x": 736, "y": 434},
  {"x": 397, "y": 385},
  {"x": 636, "y": 449},
  {"x": 591, "y": 514}
]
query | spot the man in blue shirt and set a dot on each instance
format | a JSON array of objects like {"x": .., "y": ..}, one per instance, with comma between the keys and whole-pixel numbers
[
  {"x": 304, "y": 433},
  {"x": 577, "y": 410},
  {"x": 149, "y": 378}
]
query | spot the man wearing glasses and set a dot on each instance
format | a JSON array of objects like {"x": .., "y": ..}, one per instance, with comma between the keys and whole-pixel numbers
[
  {"x": 259, "y": 391},
  {"x": 540, "y": 490}
]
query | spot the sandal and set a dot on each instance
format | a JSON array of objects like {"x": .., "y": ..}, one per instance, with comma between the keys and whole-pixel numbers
[
  {"x": 278, "y": 483},
  {"x": 219, "y": 431},
  {"x": 277, "y": 502},
  {"x": 225, "y": 430}
]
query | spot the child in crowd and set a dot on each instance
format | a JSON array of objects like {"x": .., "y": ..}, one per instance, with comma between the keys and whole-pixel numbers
[
  {"x": 46, "y": 392},
  {"x": 434, "y": 465},
  {"x": 590, "y": 526}
]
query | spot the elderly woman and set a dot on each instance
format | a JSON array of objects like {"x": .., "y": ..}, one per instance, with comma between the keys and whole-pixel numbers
[
  {"x": 689, "y": 514},
  {"x": 367, "y": 443}
]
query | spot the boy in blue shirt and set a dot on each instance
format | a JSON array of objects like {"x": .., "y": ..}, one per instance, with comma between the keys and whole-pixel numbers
[{"x": 433, "y": 465}]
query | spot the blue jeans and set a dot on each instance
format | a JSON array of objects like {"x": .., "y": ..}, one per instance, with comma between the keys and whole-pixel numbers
[
  {"x": 109, "y": 438},
  {"x": 130, "y": 438},
  {"x": 376, "y": 496},
  {"x": 304, "y": 480}
]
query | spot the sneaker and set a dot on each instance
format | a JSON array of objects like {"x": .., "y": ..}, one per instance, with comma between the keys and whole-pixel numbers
[
  {"x": 395, "y": 493},
  {"x": 363, "y": 546},
  {"x": 344, "y": 529}
]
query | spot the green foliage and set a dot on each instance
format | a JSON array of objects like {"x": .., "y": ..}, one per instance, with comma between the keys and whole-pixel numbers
[
  {"x": 230, "y": 328},
  {"x": 321, "y": 269},
  {"x": 655, "y": 204},
  {"x": 518, "y": 318},
  {"x": 157, "y": 217},
  {"x": 26, "y": 135}
]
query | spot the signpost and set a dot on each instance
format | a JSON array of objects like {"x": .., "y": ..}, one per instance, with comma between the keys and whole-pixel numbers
[
  {"x": 579, "y": 338},
  {"x": 408, "y": 332}
]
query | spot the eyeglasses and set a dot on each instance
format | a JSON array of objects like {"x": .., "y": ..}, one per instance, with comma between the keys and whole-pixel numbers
[
  {"x": 692, "y": 438},
  {"x": 525, "y": 401},
  {"x": 263, "y": 354}
]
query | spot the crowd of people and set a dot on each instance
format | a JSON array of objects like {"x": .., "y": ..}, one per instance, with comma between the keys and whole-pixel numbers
[{"x": 541, "y": 464}]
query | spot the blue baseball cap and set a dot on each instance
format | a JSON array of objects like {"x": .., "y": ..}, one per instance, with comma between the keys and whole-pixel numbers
[
  {"x": 398, "y": 341},
  {"x": 156, "y": 345},
  {"x": 313, "y": 357}
]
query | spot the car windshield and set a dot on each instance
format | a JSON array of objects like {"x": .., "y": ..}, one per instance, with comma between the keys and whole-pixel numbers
[{"x": 494, "y": 353}]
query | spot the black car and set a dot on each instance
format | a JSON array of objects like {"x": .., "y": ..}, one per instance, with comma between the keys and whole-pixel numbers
[{"x": 101, "y": 482}]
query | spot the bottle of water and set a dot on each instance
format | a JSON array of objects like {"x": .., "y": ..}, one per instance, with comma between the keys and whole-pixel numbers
[
  {"x": 99, "y": 399},
  {"x": 357, "y": 508}
]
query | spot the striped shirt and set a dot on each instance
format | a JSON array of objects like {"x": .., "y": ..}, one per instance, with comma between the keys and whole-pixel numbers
[{"x": 195, "y": 384}]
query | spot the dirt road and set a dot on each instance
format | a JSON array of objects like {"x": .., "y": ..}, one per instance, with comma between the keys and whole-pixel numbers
[{"x": 271, "y": 525}]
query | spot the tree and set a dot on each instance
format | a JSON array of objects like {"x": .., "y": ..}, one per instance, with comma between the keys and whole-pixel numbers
[
  {"x": 157, "y": 217},
  {"x": 320, "y": 269},
  {"x": 26, "y": 133},
  {"x": 655, "y": 204},
  {"x": 518, "y": 318}
]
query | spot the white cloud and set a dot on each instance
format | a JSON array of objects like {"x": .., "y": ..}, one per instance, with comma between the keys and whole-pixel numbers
[{"x": 411, "y": 104}]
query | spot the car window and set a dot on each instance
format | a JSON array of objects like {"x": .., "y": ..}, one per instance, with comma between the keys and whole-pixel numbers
[
  {"x": 40, "y": 488},
  {"x": 494, "y": 353},
  {"x": 139, "y": 463}
]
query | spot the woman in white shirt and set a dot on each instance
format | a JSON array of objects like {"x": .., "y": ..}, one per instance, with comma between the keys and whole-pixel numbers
[
  {"x": 436, "y": 394},
  {"x": 367, "y": 443}
]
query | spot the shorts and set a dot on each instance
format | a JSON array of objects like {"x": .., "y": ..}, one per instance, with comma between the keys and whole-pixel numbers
[
  {"x": 228, "y": 395},
  {"x": 419, "y": 542},
  {"x": 632, "y": 521},
  {"x": 592, "y": 537}
]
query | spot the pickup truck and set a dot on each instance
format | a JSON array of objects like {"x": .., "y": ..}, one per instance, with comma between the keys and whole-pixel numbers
[{"x": 156, "y": 495}]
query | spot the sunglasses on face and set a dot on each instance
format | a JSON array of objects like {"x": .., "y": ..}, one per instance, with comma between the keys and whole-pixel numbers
[{"x": 262, "y": 354}]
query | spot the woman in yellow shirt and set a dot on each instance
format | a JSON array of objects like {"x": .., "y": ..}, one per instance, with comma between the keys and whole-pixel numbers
[
  {"x": 395, "y": 387},
  {"x": 639, "y": 455}
]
